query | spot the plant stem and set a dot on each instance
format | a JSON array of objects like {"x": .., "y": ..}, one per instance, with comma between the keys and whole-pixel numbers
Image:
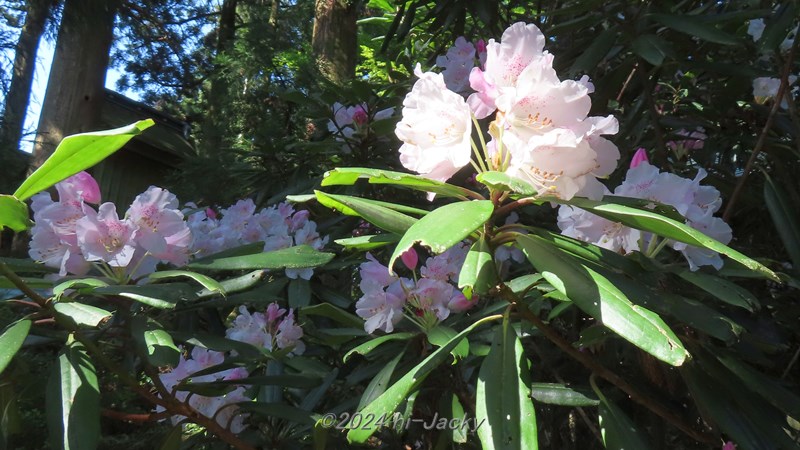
[
  {"x": 762, "y": 139},
  {"x": 21, "y": 285},
  {"x": 602, "y": 371}
]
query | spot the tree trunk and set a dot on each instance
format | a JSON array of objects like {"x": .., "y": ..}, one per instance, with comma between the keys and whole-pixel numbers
[
  {"x": 22, "y": 78},
  {"x": 334, "y": 39},
  {"x": 226, "y": 34},
  {"x": 74, "y": 97}
]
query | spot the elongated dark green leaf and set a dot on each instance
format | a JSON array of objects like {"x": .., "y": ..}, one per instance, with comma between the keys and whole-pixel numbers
[
  {"x": 298, "y": 257},
  {"x": 775, "y": 393},
  {"x": 441, "y": 334},
  {"x": 364, "y": 243},
  {"x": 333, "y": 312},
  {"x": 560, "y": 394},
  {"x": 478, "y": 272},
  {"x": 380, "y": 216},
  {"x": 73, "y": 401},
  {"x": 387, "y": 402},
  {"x": 379, "y": 382},
  {"x": 599, "y": 298},
  {"x": 444, "y": 227},
  {"x": 695, "y": 27},
  {"x": 504, "y": 182},
  {"x": 778, "y": 26},
  {"x": 367, "y": 347},
  {"x": 299, "y": 293},
  {"x": 164, "y": 296},
  {"x": 59, "y": 289},
  {"x": 217, "y": 343},
  {"x": 279, "y": 410},
  {"x": 503, "y": 404},
  {"x": 652, "y": 48},
  {"x": 154, "y": 343},
  {"x": 80, "y": 314},
  {"x": 722, "y": 289},
  {"x": 296, "y": 380},
  {"x": 11, "y": 341},
  {"x": 784, "y": 216},
  {"x": 664, "y": 226},
  {"x": 207, "y": 282},
  {"x": 596, "y": 52},
  {"x": 349, "y": 175},
  {"x": 617, "y": 429},
  {"x": 20, "y": 265},
  {"x": 35, "y": 283},
  {"x": 78, "y": 152},
  {"x": 13, "y": 214}
]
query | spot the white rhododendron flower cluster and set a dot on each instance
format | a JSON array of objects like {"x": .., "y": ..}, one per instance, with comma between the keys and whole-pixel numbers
[
  {"x": 426, "y": 299},
  {"x": 695, "y": 202},
  {"x": 70, "y": 234},
  {"x": 541, "y": 132},
  {"x": 272, "y": 330},
  {"x": 278, "y": 227},
  {"x": 766, "y": 88}
]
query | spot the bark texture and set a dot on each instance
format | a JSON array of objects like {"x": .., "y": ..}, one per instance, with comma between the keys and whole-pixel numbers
[{"x": 334, "y": 39}]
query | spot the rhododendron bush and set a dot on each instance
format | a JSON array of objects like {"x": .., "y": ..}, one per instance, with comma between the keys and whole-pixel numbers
[{"x": 265, "y": 324}]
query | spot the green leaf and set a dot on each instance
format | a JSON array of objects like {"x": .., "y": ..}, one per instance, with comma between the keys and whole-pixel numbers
[
  {"x": 20, "y": 265},
  {"x": 298, "y": 257},
  {"x": 595, "y": 52},
  {"x": 81, "y": 315},
  {"x": 78, "y": 152},
  {"x": 279, "y": 410},
  {"x": 295, "y": 380},
  {"x": 35, "y": 283},
  {"x": 440, "y": 335},
  {"x": 387, "y": 402},
  {"x": 722, "y": 289},
  {"x": 217, "y": 343},
  {"x": 367, "y": 347},
  {"x": 164, "y": 296},
  {"x": 379, "y": 382},
  {"x": 445, "y": 227},
  {"x": 652, "y": 48},
  {"x": 349, "y": 175},
  {"x": 618, "y": 431},
  {"x": 11, "y": 341},
  {"x": 238, "y": 284},
  {"x": 73, "y": 401},
  {"x": 154, "y": 343},
  {"x": 563, "y": 395},
  {"x": 478, "y": 272},
  {"x": 334, "y": 313},
  {"x": 503, "y": 403},
  {"x": 770, "y": 389},
  {"x": 503, "y": 182},
  {"x": 664, "y": 226},
  {"x": 378, "y": 215},
  {"x": 59, "y": 289},
  {"x": 370, "y": 242},
  {"x": 210, "y": 284},
  {"x": 695, "y": 27},
  {"x": 599, "y": 298},
  {"x": 299, "y": 293},
  {"x": 784, "y": 216},
  {"x": 13, "y": 214}
]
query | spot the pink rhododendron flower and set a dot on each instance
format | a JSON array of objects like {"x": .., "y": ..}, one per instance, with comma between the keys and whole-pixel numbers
[
  {"x": 410, "y": 258},
  {"x": 161, "y": 228},
  {"x": 435, "y": 129},
  {"x": 102, "y": 236},
  {"x": 729, "y": 446},
  {"x": 639, "y": 157},
  {"x": 271, "y": 330},
  {"x": 79, "y": 187},
  {"x": 381, "y": 309}
]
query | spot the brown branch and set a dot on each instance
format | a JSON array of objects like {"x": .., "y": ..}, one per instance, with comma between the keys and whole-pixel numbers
[
  {"x": 134, "y": 417},
  {"x": 762, "y": 139},
  {"x": 24, "y": 303},
  {"x": 603, "y": 372},
  {"x": 21, "y": 285}
]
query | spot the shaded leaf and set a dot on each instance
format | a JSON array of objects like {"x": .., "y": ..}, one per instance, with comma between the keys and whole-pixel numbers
[
  {"x": 11, "y": 341},
  {"x": 297, "y": 257},
  {"x": 13, "y": 214}
]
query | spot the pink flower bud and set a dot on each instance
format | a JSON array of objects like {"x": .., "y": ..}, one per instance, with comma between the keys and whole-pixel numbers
[
  {"x": 80, "y": 186},
  {"x": 410, "y": 258},
  {"x": 480, "y": 46},
  {"x": 729, "y": 446},
  {"x": 210, "y": 213},
  {"x": 360, "y": 115},
  {"x": 639, "y": 157}
]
